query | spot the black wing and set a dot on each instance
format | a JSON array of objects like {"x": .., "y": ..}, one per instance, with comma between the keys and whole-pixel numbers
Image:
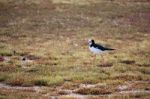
[{"x": 101, "y": 47}]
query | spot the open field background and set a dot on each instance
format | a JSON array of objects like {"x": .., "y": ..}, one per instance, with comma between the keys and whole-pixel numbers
[{"x": 53, "y": 35}]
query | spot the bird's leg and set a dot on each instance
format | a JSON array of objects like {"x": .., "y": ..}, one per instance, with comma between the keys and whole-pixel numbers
[
  {"x": 102, "y": 59},
  {"x": 94, "y": 57}
]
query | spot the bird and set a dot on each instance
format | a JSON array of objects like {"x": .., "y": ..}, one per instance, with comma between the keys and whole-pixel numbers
[
  {"x": 25, "y": 62},
  {"x": 97, "y": 48}
]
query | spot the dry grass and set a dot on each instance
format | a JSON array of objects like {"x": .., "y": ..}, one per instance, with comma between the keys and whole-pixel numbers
[{"x": 54, "y": 37}]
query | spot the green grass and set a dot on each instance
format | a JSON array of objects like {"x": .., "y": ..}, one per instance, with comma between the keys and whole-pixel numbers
[
  {"x": 3, "y": 77},
  {"x": 49, "y": 81},
  {"x": 5, "y": 52}
]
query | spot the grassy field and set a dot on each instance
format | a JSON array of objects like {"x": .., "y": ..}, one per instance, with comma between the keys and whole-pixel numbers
[{"x": 53, "y": 35}]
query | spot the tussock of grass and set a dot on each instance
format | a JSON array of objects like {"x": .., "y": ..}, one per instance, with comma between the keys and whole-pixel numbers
[
  {"x": 128, "y": 61},
  {"x": 16, "y": 81},
  {"x": 95, "y": 91},
  {"x": 49, "y": 81},
  {"x": 143, "y": 63},
  {"x": 41, "y": 82},
  {"x": 127, "y": 77},
  {"x": 3, "y": 77},
  {"x": 7, "y": 68},
  {"x": 5, "y": 52},
  {"x": 19, "y": 79},
  {"x": 145, "y": 70},
  {"x": 121, "y": 68}
]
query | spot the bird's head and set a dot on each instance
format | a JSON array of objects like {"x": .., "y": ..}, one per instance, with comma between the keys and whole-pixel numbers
[{"x": 91, "y": 41}]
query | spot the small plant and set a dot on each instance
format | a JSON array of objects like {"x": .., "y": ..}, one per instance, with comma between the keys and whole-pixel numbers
[
  {"x": 41, "y": 82},
  {"x": 95, "y": 91},
  {"x": 48, "y": 81},
  {"x": 3, "y": 77},
  {"x": 127, "y": 61},
  {"x": 56, "y": 80},
  {"x": 5, "y": 52},
  {"x": 17, "y": 81}
]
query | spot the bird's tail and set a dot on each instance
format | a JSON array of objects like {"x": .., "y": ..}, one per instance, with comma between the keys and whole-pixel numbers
[{"x": 109, "y": 49}]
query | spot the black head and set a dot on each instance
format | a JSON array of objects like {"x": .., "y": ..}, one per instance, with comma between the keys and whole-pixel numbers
[{"x": 91, "y": 42}]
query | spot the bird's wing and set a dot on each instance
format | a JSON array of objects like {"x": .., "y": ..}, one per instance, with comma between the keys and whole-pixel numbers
[
  {"x": 99, "y": 47},
  {"x": 102, "y": 48}
]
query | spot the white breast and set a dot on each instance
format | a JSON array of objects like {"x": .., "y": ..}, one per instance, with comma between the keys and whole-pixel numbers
[{"x": 95, "y": 50}]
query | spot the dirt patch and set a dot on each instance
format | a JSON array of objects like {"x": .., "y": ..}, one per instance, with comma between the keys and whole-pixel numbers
[
  {"x": 105, "y": 65},
  {"x": 4, "y": 86},
  {"x": 85, "y": 91},
  {"x": 7, "y": 68},
  {"x": 139, "y": 20},
  {"x": 94, "y": 91},
  {"x": 143, "y": 65},
  {"x": 134, "y": 85},
  {"x": 127, "y": 61}
]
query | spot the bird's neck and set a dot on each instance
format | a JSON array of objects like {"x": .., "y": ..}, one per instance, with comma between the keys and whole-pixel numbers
[{"x": 92, "y": 44}]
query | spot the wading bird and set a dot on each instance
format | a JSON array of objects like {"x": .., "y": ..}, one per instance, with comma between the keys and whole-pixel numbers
[{"x": 97, "y": 48}]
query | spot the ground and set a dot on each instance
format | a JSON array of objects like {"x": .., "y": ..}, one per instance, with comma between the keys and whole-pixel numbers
[{"x": 54, "y": 34}]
